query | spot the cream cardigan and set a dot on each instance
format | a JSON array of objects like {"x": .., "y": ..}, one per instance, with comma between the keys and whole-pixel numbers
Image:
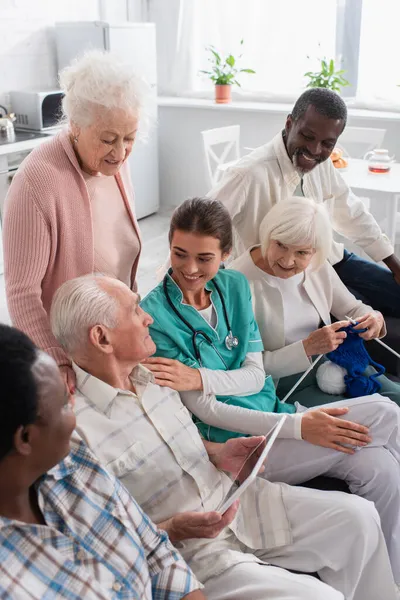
[
  {"x": 48, "y": 235},
  {"x": 327, "y": 293}
]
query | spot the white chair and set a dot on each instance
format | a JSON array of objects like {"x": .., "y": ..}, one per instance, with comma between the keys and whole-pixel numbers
[
  {"x": 357, "y": 141},
  {"x": 221, "y": 147}
]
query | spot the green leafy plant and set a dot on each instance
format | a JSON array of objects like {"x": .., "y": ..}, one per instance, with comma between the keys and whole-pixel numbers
[
  {"x": 224, "y": 70},
  {"x": 327, "y": 76}
]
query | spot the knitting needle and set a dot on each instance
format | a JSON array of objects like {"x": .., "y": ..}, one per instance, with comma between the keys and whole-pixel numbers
[
  {"x": 290, "y": 392},
  {"x": 353, "y": 322}
]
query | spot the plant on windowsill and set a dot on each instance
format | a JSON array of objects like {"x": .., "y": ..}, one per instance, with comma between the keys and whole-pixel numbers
[
  {"x": 327, "y": 77},
  {"x": 223, "y": 74}
]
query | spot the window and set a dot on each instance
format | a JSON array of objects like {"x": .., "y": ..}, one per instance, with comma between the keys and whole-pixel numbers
[
  {"x": 379, "y": 58},
  {"x": 279, "y": 36}
]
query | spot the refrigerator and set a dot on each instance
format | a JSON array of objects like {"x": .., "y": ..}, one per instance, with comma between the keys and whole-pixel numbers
[{"x": 135, "y": 42}]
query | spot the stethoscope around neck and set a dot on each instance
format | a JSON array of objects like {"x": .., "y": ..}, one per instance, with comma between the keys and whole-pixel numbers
[{"x": 231, "y": 341}]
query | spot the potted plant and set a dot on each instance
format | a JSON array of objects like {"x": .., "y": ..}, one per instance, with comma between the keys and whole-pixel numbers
[
  {"x": 223, "y": 74},
  {"x": 327, "y": 77}
]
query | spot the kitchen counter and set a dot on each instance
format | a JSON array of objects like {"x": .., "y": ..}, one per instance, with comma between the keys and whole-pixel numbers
[{"x": 24, "y": 140}]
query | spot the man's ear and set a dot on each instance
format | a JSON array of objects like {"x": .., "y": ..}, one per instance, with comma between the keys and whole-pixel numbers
[
  {"x": 289, "y": 123},
  {"x": 225, "y": 256},
  {"x": 22, "y": 440},
  {"x": 99, "y": 337}
]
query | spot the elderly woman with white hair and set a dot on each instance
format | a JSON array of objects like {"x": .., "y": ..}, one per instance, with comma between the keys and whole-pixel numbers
[
  {"x": 70, "y": 207},
  {"x": 295, "y": 290}
]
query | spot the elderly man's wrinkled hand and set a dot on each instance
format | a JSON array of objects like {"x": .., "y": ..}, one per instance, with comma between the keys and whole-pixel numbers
[
  {"x": 189, "y": 525},
  {"x": 174, "y": 374},
  {"x": 239, "y": 456}
]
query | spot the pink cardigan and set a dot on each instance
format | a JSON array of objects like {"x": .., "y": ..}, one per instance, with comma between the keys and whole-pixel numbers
[{"x": 48, "y": 235}]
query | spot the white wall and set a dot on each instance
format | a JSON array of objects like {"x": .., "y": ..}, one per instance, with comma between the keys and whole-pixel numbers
[
  {"x": 27, "y": 49},
  {"x": 165, "y": 14},
  {"x": 181, "y": 158},
  {"x": 182, "y": 171}
]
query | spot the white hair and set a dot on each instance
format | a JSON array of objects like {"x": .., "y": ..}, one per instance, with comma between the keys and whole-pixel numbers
[
  {"x": 101, "y": 79},
  {"x": 78, "y": 305},
  {"x": 298, "y": 221}
]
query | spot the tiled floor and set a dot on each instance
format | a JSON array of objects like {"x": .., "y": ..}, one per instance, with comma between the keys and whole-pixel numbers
[{"x": 155, "y": 253}]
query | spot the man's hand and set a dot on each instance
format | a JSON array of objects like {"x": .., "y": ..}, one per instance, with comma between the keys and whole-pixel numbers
[
  {"x": 394, "y": 265},
  {"x": 197, "y": 595},
  {"x": 174, "y": 374},
  {"x": 233, "y": 454},
  {"x": 373, "y": 322},
  {"x": 188, "y": 525},
  {"x": 321, "y": 427},
  {"x": 326, "y": 339}
]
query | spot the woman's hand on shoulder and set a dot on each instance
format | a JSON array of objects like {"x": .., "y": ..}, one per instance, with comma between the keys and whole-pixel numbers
[
  {"x": 373, "y": 322},
  {"x": 322, "y": 427},
  {"x": 174, "y": 374},
  {"x": 326, "y": 339}
]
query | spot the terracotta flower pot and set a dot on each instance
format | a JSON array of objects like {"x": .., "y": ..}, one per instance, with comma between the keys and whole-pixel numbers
[{"x": 223, "y": 94}]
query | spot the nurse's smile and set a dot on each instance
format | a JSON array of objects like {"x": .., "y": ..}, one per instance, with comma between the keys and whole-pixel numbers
[{"x": 191, "y": 277}]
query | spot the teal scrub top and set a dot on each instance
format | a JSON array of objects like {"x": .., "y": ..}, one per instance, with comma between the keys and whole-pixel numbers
[{"x": 175, "y": 340}]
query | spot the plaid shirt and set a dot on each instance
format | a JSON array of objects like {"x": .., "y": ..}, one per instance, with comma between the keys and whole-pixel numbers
[
  {"x": 150, "y": 442},
  {"x": 97, "y": 542}
]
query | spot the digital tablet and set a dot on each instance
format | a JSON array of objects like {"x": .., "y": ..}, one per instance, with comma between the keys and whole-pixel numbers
[{"x": 235, "y": 492}]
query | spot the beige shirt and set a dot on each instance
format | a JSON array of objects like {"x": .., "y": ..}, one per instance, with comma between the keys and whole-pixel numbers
[
  {"x": 116, "y": 244},
  {"x": 265, "y": 176},
  {"x": 150, "y": 442},
  {"x": 328, "y": 295}
]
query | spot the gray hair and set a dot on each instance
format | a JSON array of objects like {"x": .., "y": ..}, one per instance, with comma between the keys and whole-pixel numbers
[
  {"x": 78, "y": 305},
  {"x": 45, "y": 372},
  {"x": 298, "y": 221},
  {"x": 101, "y": 79},
  {"x": 326, "y": 102}
]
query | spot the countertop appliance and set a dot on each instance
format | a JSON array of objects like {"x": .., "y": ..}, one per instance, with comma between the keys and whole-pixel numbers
[
  {"x": 136, "y": 43},
  {"x": 36, "y": 109},
  {"x": 6, "y": 124}
]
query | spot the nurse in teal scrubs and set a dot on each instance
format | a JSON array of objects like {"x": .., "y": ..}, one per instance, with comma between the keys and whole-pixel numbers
[{"x": 204, "y": 322}]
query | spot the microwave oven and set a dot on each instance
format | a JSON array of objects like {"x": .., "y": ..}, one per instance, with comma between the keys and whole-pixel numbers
[{"x": 36, "y": 110}]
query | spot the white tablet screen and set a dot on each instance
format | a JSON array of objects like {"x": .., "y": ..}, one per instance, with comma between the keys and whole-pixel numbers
[{"x": 236, "y": 491}]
